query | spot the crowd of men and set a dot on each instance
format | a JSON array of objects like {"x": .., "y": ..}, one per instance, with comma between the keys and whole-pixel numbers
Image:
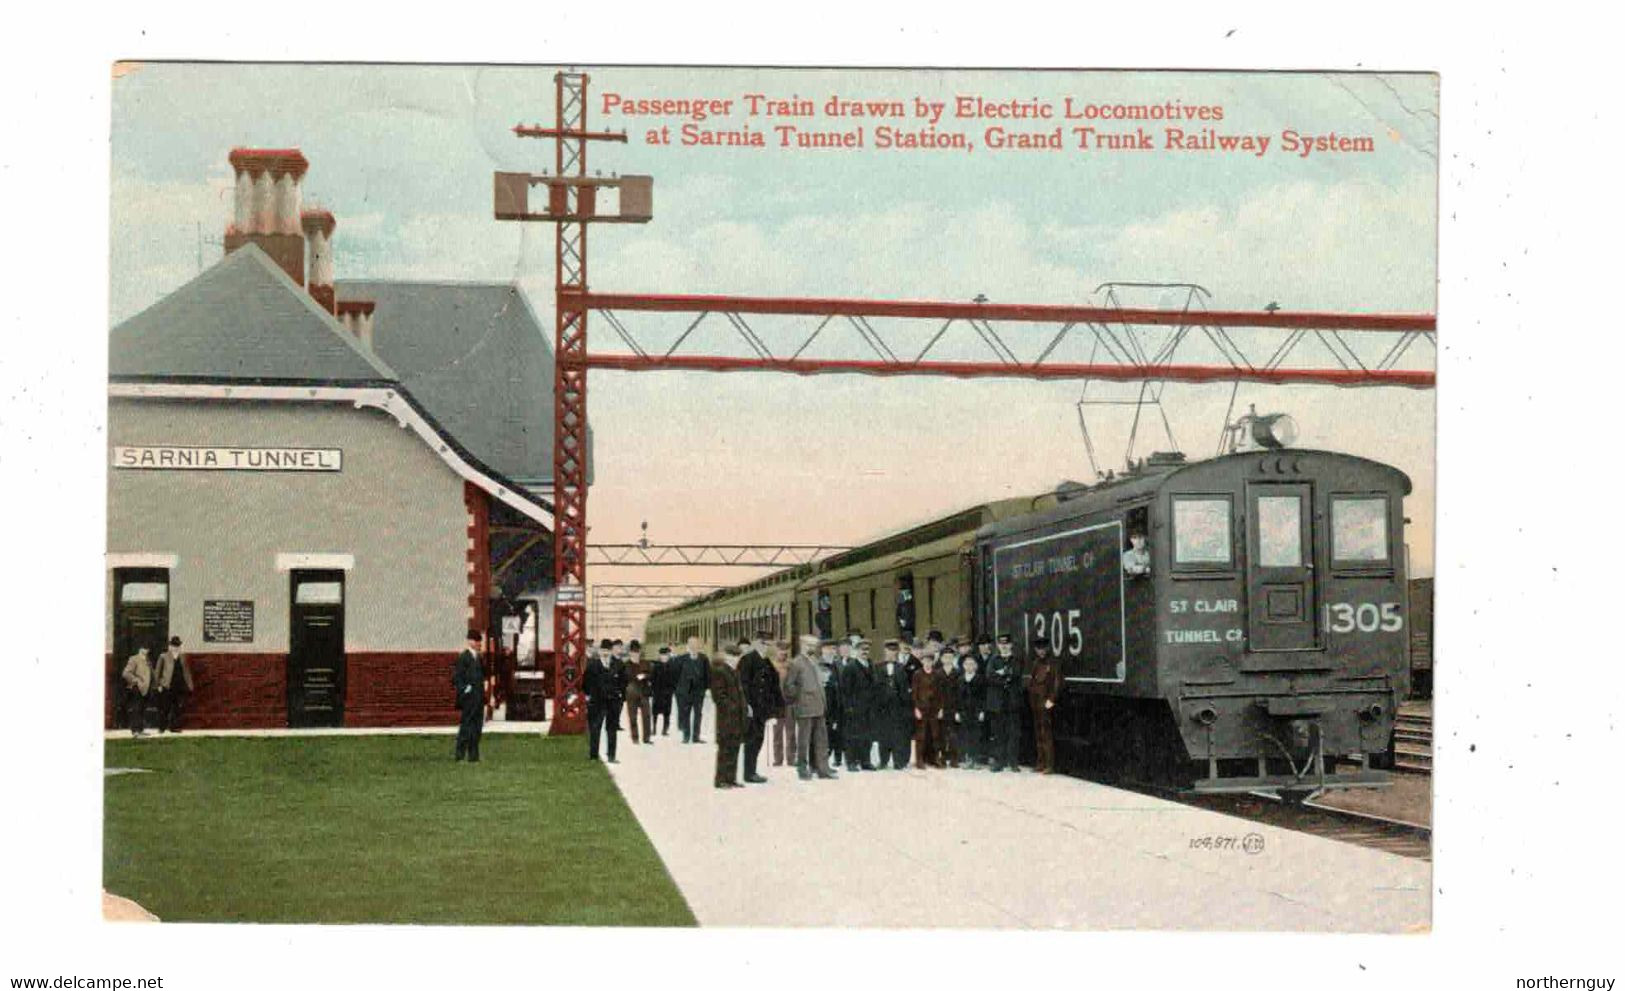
[{"x": 931, "y": 702}]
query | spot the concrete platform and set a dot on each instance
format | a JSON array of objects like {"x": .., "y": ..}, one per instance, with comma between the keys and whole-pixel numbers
[{"x": 973, "y": 849}]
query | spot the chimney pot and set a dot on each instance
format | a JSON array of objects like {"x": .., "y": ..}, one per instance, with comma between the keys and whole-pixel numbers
[{"x": 265, "y": 205}]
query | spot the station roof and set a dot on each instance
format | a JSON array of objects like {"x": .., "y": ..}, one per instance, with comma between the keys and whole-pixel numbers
[
  {"x": 242, "y": 320},
  {"x": 476, "y": 355},
  {"x": 476, "y": 364}
]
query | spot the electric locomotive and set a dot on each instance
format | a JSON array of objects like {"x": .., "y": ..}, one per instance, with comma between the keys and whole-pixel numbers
[{"x": 1232, "y": 624}]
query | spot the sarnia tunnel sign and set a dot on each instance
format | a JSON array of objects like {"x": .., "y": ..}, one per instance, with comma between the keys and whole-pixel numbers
[{"x": 164, "y": 456}]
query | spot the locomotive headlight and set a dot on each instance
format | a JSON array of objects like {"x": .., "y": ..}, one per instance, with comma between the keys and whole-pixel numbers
[
  {"x": 1373, "y": 711},
  {"x": 1276, "y": 430},
  {"x": 1300, "y": 734},
  {"x": 1206, "y": 716}
]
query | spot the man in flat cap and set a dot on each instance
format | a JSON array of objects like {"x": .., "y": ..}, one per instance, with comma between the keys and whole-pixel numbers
[
  {"x": 894, "y": 705},
  {"x": 638, "y": 690},
  {"x": 857, "y": 708},
  {"x": 468, "y": 682},
  {"x": 1043, "y": 690},
  {"x": 1004, "y": 702},
  {"x": 172, "y": 682}
]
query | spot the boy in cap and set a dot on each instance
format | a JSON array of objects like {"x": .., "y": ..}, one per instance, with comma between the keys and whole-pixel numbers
[
  {"x": 925, "y": 693},
  {"x": 970, "y": 714}
]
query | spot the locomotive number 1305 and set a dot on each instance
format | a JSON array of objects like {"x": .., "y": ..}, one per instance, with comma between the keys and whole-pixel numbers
[
  {"x": 1063, "y": 630},
  {"x": 1366, "y": 617}
]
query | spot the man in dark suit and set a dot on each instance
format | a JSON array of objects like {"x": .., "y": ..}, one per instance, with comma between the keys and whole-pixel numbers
[
  {"x": 1005, "y": 698},
  {"x": 858, "y": 703},
  {"x": 663, "y": 684},
  {"x": 468, "y": 682},
  {"x": 604, "y": 683},
  {"x": 829, "y": 671},
  {"x": 731, "y": 718},
  {"x": 763, "y": 699},
  {"x": 693, "y": 675},
  {"x": 893, "y": 710}
]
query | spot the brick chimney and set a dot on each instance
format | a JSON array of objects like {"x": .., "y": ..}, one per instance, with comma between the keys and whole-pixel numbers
[
  {"x": 356, "y": 316},
  {"x": 269, "y": 182},
  {"x": 318, "y": 226}
]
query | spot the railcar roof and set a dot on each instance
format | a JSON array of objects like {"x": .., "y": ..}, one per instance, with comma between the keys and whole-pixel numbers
[{"x": 1127, "y": 488}]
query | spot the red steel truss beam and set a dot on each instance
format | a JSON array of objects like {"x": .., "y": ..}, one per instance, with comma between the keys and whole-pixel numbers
[
  {"x": 1046, "y": 370},
  {"x": 1020, "y": 312}
]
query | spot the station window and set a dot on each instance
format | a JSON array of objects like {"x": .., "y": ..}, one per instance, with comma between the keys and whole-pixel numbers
[
  {"x": 1360, "y": 529},
  {"x": 1202, "y": 531}
]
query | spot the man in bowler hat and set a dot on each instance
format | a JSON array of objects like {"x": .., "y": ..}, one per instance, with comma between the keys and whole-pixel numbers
[{"x": 468, "y": 681}]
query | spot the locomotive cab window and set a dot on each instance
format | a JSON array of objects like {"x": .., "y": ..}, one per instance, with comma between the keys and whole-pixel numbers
[
  {"x": 1359, "y": 531},
  {"x": 1202, "y": 540}
]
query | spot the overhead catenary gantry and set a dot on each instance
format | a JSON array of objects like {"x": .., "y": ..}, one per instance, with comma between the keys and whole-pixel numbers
[
  {"x": 1265, "y": 346},
  {"x": 709, "y": 555}
]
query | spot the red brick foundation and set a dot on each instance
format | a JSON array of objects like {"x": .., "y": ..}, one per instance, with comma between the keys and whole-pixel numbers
[
  {"x": 250, "y": 691},
  {"x": 399, "y": 689}
]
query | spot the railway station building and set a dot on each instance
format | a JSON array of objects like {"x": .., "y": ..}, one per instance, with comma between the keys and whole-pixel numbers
[{"x": 320, "y": 485}]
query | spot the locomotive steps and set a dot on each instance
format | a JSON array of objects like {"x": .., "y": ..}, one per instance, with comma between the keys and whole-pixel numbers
[{"x": 1413, "y": 738}]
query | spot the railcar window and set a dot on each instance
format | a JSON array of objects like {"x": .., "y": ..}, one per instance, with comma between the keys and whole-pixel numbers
[
  {"x": 1202, "y": 531},
  {"x": 1280, "y": 531},
  {"x": 1360, "y": 529}
]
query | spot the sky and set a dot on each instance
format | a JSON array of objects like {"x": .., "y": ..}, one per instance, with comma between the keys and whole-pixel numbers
[{"x": 403, "y": 155}]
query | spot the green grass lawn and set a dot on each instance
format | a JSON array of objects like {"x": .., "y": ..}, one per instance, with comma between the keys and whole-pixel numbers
[{"x": 378, "y": 829}]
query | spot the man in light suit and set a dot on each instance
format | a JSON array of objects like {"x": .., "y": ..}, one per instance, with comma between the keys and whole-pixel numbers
[
  {"x": 468, "y": 681},
  {"x": 804, "y": 696},
  {"x": 137, "y": 679}
]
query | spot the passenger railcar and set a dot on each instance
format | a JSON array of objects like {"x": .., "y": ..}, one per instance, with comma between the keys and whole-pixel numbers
[{"x": 1266, "y": 643}]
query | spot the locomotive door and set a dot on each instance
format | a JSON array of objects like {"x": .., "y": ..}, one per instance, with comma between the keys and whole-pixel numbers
[
  {"x": 316, "y": 649},
  {"x": 1280, "y": 563}
]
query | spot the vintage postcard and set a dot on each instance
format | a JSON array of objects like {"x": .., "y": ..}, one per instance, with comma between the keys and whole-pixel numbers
[{"x": 1019, "y": 485}]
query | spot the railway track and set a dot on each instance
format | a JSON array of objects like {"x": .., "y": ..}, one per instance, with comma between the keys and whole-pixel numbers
[{"x": 1406, "y": 839}]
